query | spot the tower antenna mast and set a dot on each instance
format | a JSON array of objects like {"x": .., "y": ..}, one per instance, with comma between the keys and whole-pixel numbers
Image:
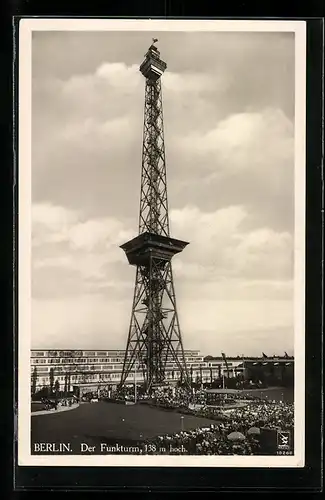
[{"x": 154, "y": 337}]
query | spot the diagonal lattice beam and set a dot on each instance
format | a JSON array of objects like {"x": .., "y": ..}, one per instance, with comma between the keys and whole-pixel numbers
[{"x": 154, "y": 337}]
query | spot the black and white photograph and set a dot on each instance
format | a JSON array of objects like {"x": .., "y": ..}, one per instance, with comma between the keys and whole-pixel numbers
[{"x": 161, "y": 243}]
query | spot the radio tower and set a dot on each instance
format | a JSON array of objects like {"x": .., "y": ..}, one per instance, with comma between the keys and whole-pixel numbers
[{"x": 154, "y": 337}]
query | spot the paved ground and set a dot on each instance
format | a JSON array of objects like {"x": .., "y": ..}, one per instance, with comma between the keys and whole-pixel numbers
[{"x": 96, "y": 423}]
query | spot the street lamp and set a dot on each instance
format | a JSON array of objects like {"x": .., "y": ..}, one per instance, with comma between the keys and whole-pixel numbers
[{"x": 182, "y": 423}]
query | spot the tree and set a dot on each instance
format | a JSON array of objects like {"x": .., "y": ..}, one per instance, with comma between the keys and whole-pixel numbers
[
  {"x": 57, "y": 387},
  {"x": 34, "y": 380},
  {"x": 51, "y": 379},
  {"x": 69, "y": 381},
  {"x": 42, "y": 393},
  {"x": 65, "y": 384}
]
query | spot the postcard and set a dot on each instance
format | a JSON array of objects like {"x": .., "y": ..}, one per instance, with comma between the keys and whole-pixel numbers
[{"x": 161, "y": 242}]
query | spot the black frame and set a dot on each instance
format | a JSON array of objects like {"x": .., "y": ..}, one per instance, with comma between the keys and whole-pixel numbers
[{"x": 307, "y": 479}]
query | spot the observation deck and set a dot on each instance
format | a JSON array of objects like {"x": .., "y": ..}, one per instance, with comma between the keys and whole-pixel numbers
[
  {"x": 147, "y": 245},
  {"x": 153, "y": 67}
]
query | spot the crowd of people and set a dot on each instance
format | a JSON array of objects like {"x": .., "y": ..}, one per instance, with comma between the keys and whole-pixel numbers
[
  {"x": 54, "y": 404},
  {"x": 239, "y": 421},
  {"x": 177, "y": 398},
  {"x": 67, "y": 402},
  {"x": 205, "y": 441},
  {"x": 273, "y": 414},
  {"x": 236, "y": 431}
]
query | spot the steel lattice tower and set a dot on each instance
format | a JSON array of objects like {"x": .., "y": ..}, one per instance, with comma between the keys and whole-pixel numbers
[{"x": 154, "y": 337}]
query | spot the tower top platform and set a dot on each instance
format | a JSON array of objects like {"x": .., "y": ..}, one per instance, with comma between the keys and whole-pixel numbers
[
  {"x": 153, "y": 67},
  {"x": 146, "y": 245}
]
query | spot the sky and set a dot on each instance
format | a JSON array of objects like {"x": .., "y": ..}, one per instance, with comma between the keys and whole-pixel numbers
[{"x": 228, "y": 101}]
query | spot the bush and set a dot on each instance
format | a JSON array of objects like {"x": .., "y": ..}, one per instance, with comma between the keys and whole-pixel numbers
[{"x": 41, "y": 393}]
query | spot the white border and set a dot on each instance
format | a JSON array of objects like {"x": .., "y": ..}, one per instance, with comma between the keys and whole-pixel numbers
[{"x": 26, "y": 27}]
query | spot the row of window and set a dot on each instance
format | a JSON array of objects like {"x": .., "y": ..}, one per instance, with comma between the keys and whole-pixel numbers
[
  {"x": 86, "y": 354},
  {"x": 97, "y": 367},
  {"x": 82, "y": 378},
  {"x": 90, "y": 360},
  {"x": 71, "y": 369},
  {"x": 75, "y": 361},
  {"x": 117, "y": 375},
  {"x": 58, "y": 354},
  {"x": 110, "y": 377}
]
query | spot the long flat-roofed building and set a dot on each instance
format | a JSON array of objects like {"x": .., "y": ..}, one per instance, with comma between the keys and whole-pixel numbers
[
  {"x": 96, "y": 367},
  {"x": 78, "y": 367}
]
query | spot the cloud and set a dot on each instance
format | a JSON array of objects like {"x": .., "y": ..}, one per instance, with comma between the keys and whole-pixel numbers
[
  {"x": 79, "y": 320},
  {"x": 246, "y": 159},
  {"x": 117, "y": 74},
  {"x": 69, "y": 254},
  {"x": 228, "y": 120},
  {"x": 52, "y": 216},
  {"x": 232, "y": 278},
  {"x": 92, "y": 129},
  {"x": 95, "y": 233},
  {"x": 51, "y": 223},
  {"x": 89, "y": 134},
  {"x": 192, "y": 83},
  {"x": 258, "y": 145},
  {"x": 94, "y": 321},
  {"x": 221, "y": 247},
  {"x": 219, "y": 315},
  {"x": 246, "y": 136},
  {"x": 258, "y": 66}
]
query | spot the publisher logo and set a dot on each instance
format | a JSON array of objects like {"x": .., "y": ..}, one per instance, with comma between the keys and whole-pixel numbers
[{"x": 284, "y": 440}]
